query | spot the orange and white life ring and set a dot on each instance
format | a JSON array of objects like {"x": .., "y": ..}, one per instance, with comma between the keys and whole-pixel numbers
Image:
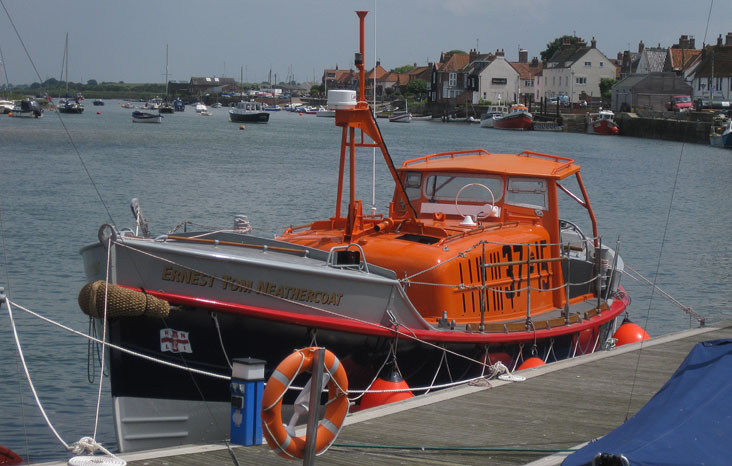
[{"x": 337, "y": 407}]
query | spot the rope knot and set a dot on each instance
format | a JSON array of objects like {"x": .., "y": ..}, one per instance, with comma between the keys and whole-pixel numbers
[{"x": 84, "y": 445}]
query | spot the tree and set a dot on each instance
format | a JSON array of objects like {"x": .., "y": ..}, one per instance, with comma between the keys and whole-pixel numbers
[
  {"x": 417, "y": 87},
  {"x": 316, "y": 90},
  {"x": 606, "y": 85},
  {"x": 402, "y": 69},
  {"x": 555, "y": 45},
  {"x": 91, "y": 82}
]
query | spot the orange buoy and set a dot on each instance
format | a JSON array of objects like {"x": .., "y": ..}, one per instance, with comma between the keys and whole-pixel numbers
[
  {"x": 376, "y": 398},
  {"x": 10, "y": 114},
  {"x": 242, "y": 127},
  {"x": 531, "y": 362},
  {"x": 274, "y": 430},
  {"x": 630, "y": 333}
]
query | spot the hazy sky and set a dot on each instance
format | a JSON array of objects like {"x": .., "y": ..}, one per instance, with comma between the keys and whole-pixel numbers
[{"x": 125, "y": 40}]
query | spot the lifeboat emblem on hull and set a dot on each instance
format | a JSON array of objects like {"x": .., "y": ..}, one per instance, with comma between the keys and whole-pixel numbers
[{"x": 175, "y": 341}]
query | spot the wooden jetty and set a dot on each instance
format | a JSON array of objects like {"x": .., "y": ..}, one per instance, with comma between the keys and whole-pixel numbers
[{"x": 557, "y": 408}]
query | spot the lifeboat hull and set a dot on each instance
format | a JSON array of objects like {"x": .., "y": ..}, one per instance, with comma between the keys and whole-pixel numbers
[
  {"x": 520, "y": 122},
  {"x": 605, "y": 127}
]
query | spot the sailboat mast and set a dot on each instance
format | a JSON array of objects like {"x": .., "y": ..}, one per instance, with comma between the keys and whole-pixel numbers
[
  {"x": 66, "y": 59},
  {"x": 166, "y": 72}
]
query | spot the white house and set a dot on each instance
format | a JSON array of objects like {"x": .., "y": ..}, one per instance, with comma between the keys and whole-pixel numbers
[
  {"x": 711, "y": 77},
  {"x": 499, "y": 81},
  {"x": 574, "y": 70}
]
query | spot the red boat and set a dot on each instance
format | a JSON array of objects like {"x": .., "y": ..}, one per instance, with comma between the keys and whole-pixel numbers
[
  {"x": 518, "y": 117},
  {"x": 602, "y": 123}
]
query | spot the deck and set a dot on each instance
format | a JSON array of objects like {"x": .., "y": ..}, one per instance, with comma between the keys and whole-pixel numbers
[{"x": 557, "y": 407}]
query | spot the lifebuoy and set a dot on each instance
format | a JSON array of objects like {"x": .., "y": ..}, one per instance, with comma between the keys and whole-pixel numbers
[{"x": 337, "y": 407}]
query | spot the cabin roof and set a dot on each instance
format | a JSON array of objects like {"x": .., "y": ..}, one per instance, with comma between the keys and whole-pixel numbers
[{"x": 528, "y": 164}]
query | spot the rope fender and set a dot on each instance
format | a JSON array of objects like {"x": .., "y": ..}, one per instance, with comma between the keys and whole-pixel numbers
[{"x": 336, "y": 408}]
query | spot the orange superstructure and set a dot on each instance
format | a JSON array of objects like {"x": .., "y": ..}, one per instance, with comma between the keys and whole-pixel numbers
[{"x": 475, "y": 235}]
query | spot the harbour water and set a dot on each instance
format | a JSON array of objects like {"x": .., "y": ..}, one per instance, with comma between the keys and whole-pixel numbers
[{"x": 667, "y": 202}]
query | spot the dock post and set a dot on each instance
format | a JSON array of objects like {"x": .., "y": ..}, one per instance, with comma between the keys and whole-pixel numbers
[
  {"x": 247, "y": 387},
  {"x": 314, "y": 411}
]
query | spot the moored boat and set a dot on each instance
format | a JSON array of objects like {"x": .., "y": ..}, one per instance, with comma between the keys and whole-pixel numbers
[
  {"x": 98, "y": 102},
  {"x": 249, "y": 112},
  {"x": 491, "y": 113},
  {"x": 401, "y": 117},
  {"x": 146, "y": 117},
  {"x": 27, "y": 109},
  {"x": 517, "y": 118},
  {"x": 602, "y": 122},
  {"x": 472, "y": 264},
  {"x": 721, "y": 132},
  {"x": 179, "y": 105},
  {"x": 325, "y": 112},
  {"x": 70, "y": 106},
  {"x": 6, "y": 106}
]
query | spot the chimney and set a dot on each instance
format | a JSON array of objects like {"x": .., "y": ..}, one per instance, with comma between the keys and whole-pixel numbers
[
  {"x": 719, "y": 40},
  {"x": 593, "y": 43},
  {"x": 728, "y": 39},
  {"x": 620, "y": 57},
  {"x": 378, "y": 63},
  {"x": 523, "y": 56},
  {"x": 499, "y": 53},
  {"x": 691, "y": 42},
  {"x": 535, "y": 62},
  {"x": 641, "y": 46},
  {"x": 473, "y": 55},
  {"x": 566, "y": 43}
]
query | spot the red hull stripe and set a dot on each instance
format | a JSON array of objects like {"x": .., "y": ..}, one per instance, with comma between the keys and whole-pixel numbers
[{"x": 353, "y": 326}]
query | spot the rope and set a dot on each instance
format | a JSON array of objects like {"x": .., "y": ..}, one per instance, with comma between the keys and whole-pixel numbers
[
  {"x": 687, "y": 309},
  {"x": 85, "y": 443}
]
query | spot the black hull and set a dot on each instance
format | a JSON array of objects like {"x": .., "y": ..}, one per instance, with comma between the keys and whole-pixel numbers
[
  {"x": 260, "y": 117},
  {"x": 271, "y": 341}
]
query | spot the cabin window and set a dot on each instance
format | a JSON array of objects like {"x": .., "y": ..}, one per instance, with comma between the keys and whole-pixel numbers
[
  {"x": 446, "y": 187},
  {"x": 413, "y": 185},
  {"x": 527, "y": 192}
]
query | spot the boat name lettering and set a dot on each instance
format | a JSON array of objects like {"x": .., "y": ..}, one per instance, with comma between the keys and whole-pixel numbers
[
  {"x": 291, "y": 293},
  {"x": 171, "y": 274},
  {"x": 230, "y": 283}
]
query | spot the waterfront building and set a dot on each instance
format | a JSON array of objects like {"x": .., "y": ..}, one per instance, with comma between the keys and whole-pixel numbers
[{"x": 576, "y": 70}]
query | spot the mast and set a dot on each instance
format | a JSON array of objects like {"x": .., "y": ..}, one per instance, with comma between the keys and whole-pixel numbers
[
  {"x": 361, "y": 117},
  {"x": 166, "y": 72},
  {"x": 5, "y": 70},
  {"x": 66, "y": 60}
]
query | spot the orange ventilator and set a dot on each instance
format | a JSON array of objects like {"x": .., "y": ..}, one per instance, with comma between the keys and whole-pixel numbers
[{"x": 273, "y": 429}]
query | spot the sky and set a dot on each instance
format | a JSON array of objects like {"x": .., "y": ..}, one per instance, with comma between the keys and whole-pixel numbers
[{"x": 126, "y": 40}]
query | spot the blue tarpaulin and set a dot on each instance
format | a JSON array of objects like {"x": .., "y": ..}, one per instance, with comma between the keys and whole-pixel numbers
[{"x": 689, "y": 420}]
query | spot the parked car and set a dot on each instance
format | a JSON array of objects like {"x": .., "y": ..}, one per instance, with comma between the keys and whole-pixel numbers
[{"x": 679, "y": 103}]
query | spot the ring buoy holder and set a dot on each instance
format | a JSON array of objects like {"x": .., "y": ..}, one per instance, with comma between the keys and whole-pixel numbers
[{"x": 329, "y": 426}]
